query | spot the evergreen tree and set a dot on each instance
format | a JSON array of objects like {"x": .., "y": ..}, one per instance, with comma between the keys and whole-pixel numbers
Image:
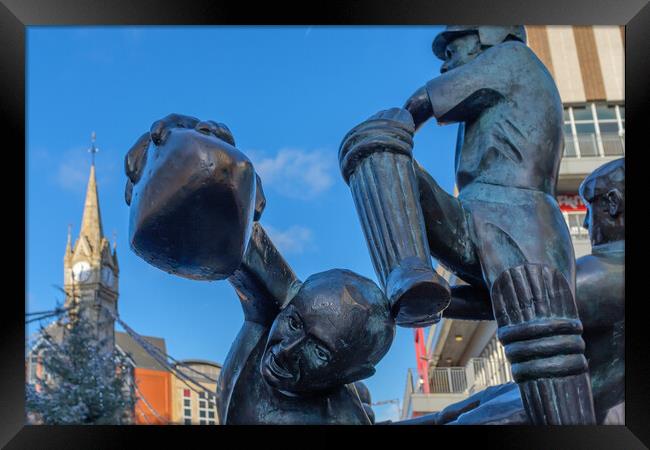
[{"x": 84, "y": 385}]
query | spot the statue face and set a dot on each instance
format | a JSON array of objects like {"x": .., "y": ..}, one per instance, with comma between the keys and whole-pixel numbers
[
  {"x": 192, "y": 203},
  {"x": 605, "y": 219},
  {"x": 461, "y": 51},
  {"x": 323, "y": 338}
]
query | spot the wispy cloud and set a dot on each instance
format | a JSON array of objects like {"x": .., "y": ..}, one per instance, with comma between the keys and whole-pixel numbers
[
  {"x": 295, "y": 173},
  {"x": 73, "y": 169},
  {"x": 294, "y": 239}
]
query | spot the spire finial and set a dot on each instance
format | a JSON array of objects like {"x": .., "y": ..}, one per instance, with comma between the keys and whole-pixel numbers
[{"x": 93, "y": 149}]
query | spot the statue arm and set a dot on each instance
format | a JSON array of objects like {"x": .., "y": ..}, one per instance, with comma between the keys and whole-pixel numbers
[{"x": 264, "y": 282}]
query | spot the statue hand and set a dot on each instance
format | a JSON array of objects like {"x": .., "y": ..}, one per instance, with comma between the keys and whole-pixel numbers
[{"x": 419, "y": 106}]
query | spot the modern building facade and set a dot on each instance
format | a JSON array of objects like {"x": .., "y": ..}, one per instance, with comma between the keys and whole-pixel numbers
[
  {"x": 192, "y": 406},
  {"x": 460, "y": 357}
]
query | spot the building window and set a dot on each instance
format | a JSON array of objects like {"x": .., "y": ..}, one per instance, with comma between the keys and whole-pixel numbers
[
  {"x": 594, "y": 129},
  {"x": 187, "y": 408},
  {"x": 207, "y": 409}
]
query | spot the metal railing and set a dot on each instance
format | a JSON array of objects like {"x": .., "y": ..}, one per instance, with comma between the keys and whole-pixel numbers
[
  {"x": 478, "y": 374},
  {"x": 448, "y": 380},
  {"x": 612, "y": 145}
]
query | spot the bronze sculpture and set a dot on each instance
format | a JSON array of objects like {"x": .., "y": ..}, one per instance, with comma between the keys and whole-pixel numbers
[
  {"x": 600, "y": 295},
  {"x": 600, "y": 289},
  {"x": 504, "y": 234},
  {"x": 195, "y": 204}
]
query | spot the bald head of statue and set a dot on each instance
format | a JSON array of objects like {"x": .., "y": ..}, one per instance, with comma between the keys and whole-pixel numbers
[{"x": 603, "y": 191}]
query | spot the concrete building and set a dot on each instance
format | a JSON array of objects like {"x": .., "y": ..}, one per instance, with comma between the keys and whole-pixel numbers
[
  {"x": 191, "y": 406},
  {"x": 587, "y": 64}
]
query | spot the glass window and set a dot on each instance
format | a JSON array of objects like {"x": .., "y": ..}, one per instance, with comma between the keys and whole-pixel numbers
[
  {"x": 202, "y": 422},
  {"x": 201, "y": 413},
  {"x": 211, "y": 414},
  {"x": 210, "y": 405},
  {"x": 186, "y": 402},
  {"x": 211, "y": 422},
  {"x": 201, "y": 394},
  {"x": 567, "y": 117},
  {"x": 606, "y": 112},
  {"x": 188, "y": 422},
  {"x": 186, "y": 392},
  {"x": 585, "y": 128},
  {"x": 608, "y": 128},
  {"x": 582, "y": 113},
  {"x": 187, "y": 412},
  {"x": 202, "y": 404},
  {"x": 621, "y": 110}
]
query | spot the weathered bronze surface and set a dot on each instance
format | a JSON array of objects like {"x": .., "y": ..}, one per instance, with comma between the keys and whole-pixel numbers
[
  {"x": 505, "y": 234},
  {"x": 195, "y": 201},
  {"x": 600, "y": 295}
]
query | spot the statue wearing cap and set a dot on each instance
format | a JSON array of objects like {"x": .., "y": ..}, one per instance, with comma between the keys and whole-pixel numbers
[
  {"x": 600, "y": 284},
  {"x": 504, "y": 235}
]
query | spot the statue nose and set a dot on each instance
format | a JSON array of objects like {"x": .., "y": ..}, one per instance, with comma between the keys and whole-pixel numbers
[{"x": 286, "y": 347}]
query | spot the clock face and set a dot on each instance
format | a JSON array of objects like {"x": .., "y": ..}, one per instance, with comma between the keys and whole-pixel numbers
[
  {"x": 107, "y": 276},
  {"x": 81, "y": 271}
]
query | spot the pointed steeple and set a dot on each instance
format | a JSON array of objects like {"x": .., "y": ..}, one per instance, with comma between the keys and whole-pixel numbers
[
  {"x": 68, "y": 247},
  {"x": 91, "y": 222}
]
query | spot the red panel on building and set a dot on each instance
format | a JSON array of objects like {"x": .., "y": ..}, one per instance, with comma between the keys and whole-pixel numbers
[{"x": 571, "y": 202}]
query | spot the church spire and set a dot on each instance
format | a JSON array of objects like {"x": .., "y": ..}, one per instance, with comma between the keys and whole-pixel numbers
[{"x": 91, "y": 222}]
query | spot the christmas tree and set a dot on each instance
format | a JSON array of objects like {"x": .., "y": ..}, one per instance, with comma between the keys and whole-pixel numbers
[{"x": 84, "y": 384}]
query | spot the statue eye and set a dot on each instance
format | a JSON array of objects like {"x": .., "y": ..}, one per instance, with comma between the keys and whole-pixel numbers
[
  {"x": 321, "y": 353},
  {"x": 294, "y": 323}
]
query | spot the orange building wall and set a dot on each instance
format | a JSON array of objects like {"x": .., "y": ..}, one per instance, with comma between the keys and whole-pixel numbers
[{"x": 155, "y": 386}]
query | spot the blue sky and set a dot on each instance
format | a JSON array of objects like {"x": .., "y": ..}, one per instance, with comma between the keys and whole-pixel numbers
[{"x": 289, "y": 94}]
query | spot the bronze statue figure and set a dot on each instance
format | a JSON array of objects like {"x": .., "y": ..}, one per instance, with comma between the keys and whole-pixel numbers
[
  {"x": 505, "y": 234},
  {"x": 600, "y": 295},
  {"x": 600, "y": 289},
  {"x": 195, "y": 204}
]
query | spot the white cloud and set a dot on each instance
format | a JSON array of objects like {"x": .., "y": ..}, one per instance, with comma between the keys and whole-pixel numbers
[
  {"x": 296, "y": 173},
  {"x": 294, "y": 239},
  {"x": 74, "y": 168}
]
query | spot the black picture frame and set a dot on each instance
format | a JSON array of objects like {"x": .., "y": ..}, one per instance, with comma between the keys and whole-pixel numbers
[{"x": 16, "y": 15}]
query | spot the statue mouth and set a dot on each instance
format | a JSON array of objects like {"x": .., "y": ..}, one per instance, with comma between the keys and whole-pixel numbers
[{"x": 277, "y": 370}]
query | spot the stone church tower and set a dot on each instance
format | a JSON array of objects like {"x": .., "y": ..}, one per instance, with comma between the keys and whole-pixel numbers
[{"x": 91, "y": 270}]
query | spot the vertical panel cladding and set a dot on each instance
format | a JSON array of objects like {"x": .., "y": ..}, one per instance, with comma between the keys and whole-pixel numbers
[
  {"x": 538, "y": 42},
  {"x": 566, "y": 66},
  {"x": 611, "y": 55},
  {"x": 590, "y": 69}
]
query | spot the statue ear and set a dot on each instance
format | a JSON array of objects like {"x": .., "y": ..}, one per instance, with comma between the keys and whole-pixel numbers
[
  {"x": 360, "y": 373},
  {"x": 614, "y": 202}
]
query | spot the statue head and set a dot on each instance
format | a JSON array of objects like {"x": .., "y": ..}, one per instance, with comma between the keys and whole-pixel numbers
[
  {"x": 193, "y": 198},
  {"x": 459, "y": 44},
  {"x": 604, "y": 193},
  {"x": 331, "y": 333}
]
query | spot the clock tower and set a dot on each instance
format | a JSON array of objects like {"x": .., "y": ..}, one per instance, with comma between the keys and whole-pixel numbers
[{"x": 91, "y": 270}]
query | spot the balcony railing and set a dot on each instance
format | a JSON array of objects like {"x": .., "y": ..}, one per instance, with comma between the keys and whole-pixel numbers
[
  {"x": 612, "y": 144},
  {"x": 478, "y": 374}
]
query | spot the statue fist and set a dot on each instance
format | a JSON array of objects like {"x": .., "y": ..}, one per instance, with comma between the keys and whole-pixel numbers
[{"x": 193, "y": 198}]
